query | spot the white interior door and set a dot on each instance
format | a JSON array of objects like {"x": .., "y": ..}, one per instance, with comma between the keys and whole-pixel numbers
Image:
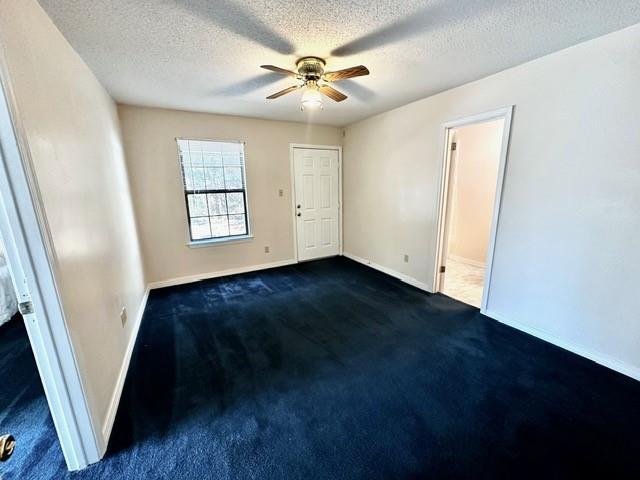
[
  {"x": 317, "y": 206},
  {"x": 449, "y": 206}
]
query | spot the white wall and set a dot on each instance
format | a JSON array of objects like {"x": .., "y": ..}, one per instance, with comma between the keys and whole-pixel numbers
[
  {"x": 567, "y": 261},
  {"x": 149, "y": 136},
  {"x": 473, "y": 177},
  {"x": 71, "y": 128}
]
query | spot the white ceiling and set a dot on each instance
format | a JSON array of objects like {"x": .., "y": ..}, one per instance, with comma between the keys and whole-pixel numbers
[{"x": 204, "y": 55}]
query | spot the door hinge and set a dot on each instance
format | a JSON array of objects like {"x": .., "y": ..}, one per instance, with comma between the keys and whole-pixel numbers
[
  {"x": 442, "y": 269},
  {"x": 25, "y": 308},
  {"x": 454, "y": 145}
]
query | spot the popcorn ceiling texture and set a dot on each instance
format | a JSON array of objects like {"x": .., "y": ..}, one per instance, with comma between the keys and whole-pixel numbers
[{"x": 205, "y": 55}]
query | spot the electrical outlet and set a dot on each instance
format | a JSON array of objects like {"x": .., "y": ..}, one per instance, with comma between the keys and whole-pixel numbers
[
  {"x": 406, "y": 258},
  {"x": 266, "y": 249},
  {"x": 280, "y": 192},
  {"x": 123, "y": 315}
]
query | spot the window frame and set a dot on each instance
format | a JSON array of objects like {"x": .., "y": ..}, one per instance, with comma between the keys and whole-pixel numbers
[{"x": 191, "y": 242}]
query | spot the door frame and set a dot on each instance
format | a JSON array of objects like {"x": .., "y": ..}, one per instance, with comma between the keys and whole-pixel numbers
[
  {"x": 505, "y": 113},
  {"x": 292, "y": 147},
  {"x": 31, "y": 259}
]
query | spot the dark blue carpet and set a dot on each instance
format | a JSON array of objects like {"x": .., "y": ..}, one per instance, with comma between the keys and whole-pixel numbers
[{"x": 331, "y": 370}]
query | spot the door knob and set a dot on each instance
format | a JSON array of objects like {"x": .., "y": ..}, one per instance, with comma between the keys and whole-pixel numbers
[
  {"x": 298, "y": 206},
  {"x": 299, "y": 214},
  {"x": 7, "y": 444}
]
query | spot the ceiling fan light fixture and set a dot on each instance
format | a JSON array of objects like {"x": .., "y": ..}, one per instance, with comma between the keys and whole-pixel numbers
[
  {"x": 311, "y": 99},
  {"x": 310, "y": 72}
]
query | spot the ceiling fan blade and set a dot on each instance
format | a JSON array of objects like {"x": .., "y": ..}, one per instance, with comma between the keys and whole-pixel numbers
[
  {"x": 283, "y": 71},
  {"x": 358, "y": 71},
  {"x": 332, "y": 93},
  {"x": 283, "y": 92}
]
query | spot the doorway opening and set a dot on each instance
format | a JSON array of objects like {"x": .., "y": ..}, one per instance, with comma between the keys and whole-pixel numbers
[
  {"x": 25, "y": 420},
  {"x": 474, "y": 162}
]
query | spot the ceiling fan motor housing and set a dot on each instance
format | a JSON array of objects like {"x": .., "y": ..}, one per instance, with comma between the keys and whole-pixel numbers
[{"x": 310, "y": 68}]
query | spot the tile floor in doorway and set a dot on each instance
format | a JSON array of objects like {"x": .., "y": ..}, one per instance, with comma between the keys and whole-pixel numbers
[{"x": 464, "y": 282}]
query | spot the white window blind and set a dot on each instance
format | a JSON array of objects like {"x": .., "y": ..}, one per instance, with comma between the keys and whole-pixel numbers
[{"x": 214, "y": 181}]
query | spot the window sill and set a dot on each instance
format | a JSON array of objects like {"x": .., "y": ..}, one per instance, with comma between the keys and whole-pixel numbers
[{"x": 219, "y": 241}]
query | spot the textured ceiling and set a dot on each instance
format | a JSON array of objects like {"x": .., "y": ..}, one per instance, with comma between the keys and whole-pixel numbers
[{"x": 204, "y": 55}]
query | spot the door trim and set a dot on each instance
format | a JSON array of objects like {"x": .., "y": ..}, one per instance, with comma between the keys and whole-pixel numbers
[
  {"x": 506, "y": 113},
  {"x": 31, "y": 258},
  {"x": 292, "y": 147}
]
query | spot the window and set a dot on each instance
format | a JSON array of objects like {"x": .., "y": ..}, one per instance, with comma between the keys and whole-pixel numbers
[{"x": 215, "y": 192}]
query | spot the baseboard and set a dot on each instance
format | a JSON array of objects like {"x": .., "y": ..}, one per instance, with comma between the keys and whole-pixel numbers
[
  {"x": 117, "y": 392},
  {"x": 604, "y": 360},
  {"x": 401, "y": 276},
  {"x": 220, "y": 273},
  {"x": 468, "y": 261}
]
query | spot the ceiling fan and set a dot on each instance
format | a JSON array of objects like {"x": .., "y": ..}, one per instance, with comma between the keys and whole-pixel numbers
[{"x": 315, "y": 80}]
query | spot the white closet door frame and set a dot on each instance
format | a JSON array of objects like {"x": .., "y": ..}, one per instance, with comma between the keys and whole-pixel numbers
[
  {"x": 31, "y": 260},
  {"x": 292, "y": 147},
  {"x": 505, "y": 113}
]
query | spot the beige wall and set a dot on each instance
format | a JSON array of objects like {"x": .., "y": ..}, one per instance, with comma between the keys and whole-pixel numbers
[
  {"x": 474, "y": 173},
  {"x": 72, "y": 131},
  {"x": 149, "y": 139},
  {"x": 566, "y": 262}
]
